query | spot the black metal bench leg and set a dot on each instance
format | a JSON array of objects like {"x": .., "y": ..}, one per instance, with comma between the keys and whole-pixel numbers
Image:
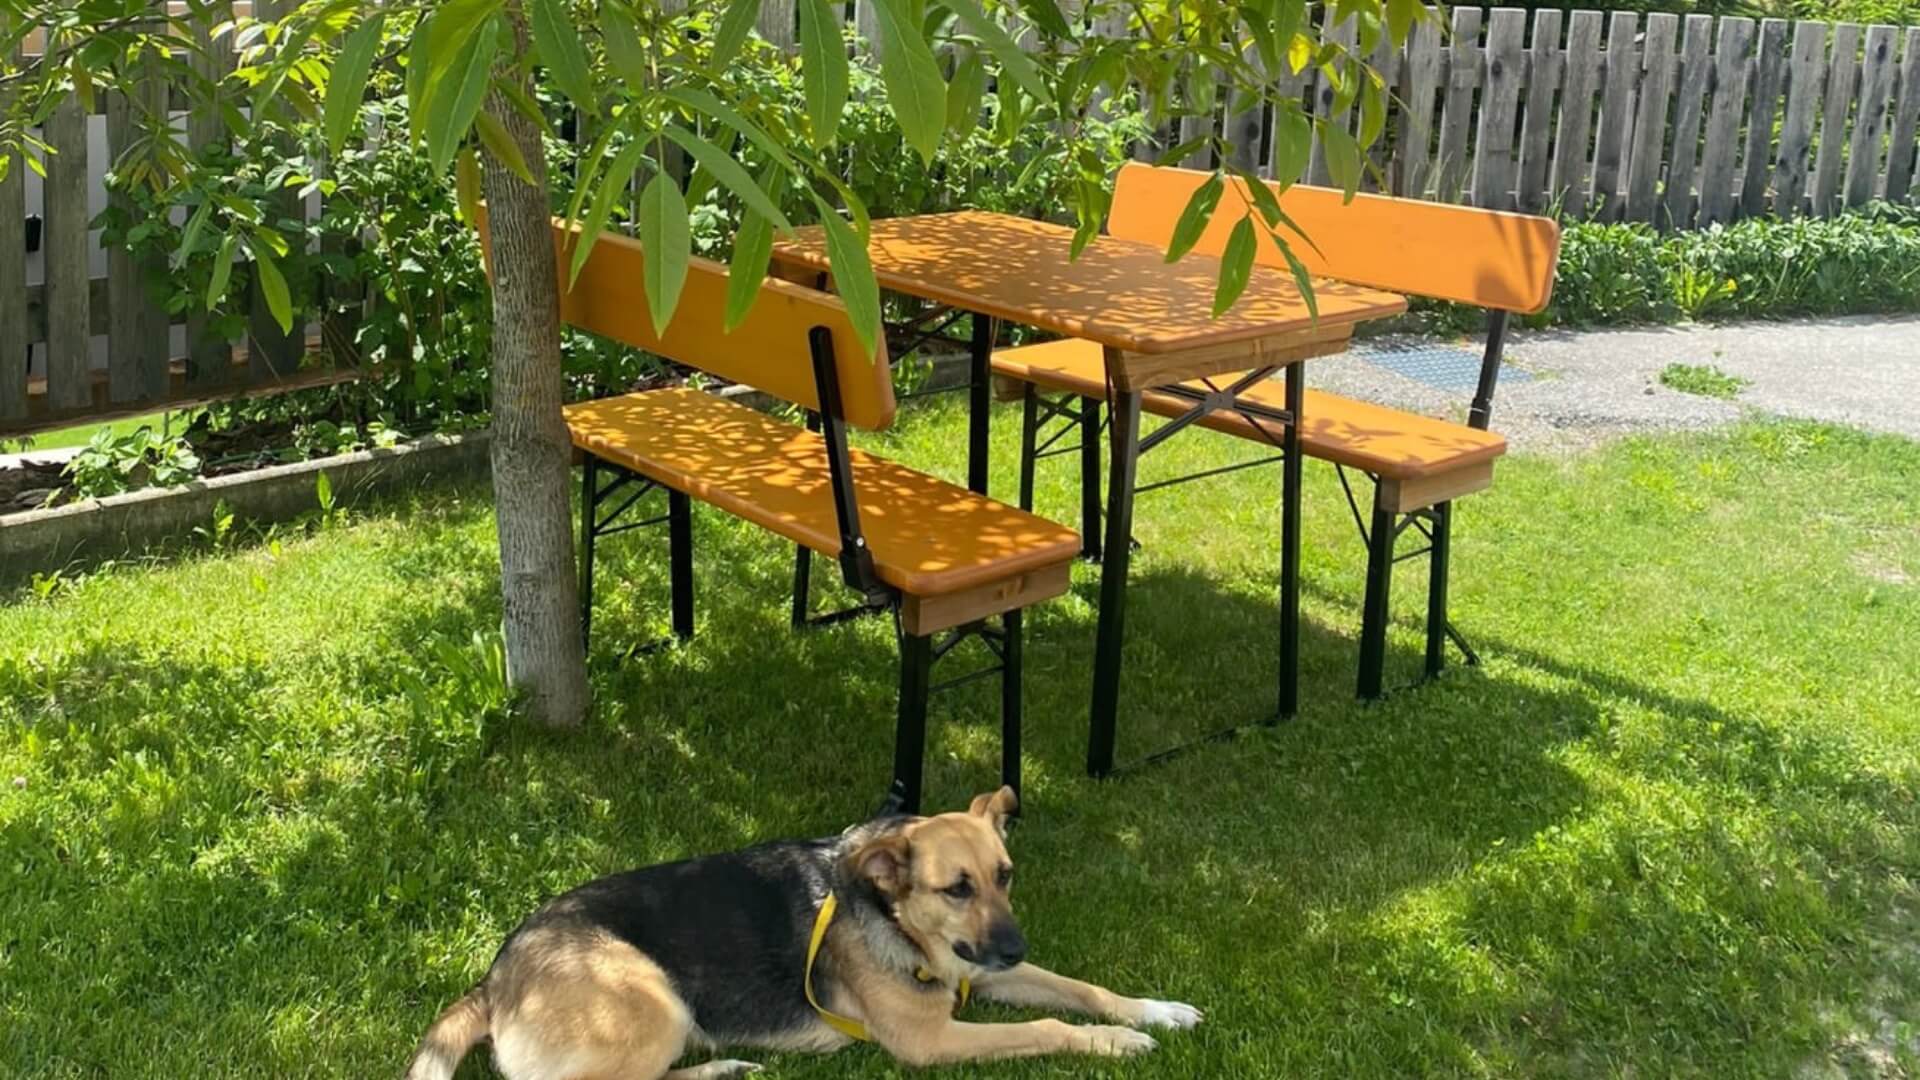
[
  {"x": 680, "y": 539},
  {"x": 1290, "y": 498},
  {"x": 802, "y": 572},
  {"x": 1373, "y": 618},
  {"x": 1111, "y": 635},
  {"x": 1029, "y": 443},
  {"x": 1010, "y": 688},
  {"x": 589, "y": 506},
  {"x": 1090, "y": 478},
  {"x": 1437, "y": 588},
  {"x": 910, "y": 735}
]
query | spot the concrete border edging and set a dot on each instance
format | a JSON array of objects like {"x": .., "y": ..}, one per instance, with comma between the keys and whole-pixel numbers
[{"x": 40, "y": 540}]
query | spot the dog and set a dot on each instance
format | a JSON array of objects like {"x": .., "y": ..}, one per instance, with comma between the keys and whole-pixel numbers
[{"x": 876, "y": 934}]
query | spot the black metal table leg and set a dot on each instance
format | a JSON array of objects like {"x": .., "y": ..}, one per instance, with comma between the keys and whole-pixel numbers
[
  {"x": 980, "y": 402},
  {"x": 589, "y": 505},
  {"x": 910, "y": 734},
  {"x": 1010, "y": 686},
  {"x": 680, "y": 559},
  {"x": 1090, "y": 478},
  {"x": 1290, "y": 546},
  {"x": 1029, "y": 443},
  {"x": 1440, "y": 546},
  {"x": 1373, "y": 612},
  {"x": 1113, "y": 583}
]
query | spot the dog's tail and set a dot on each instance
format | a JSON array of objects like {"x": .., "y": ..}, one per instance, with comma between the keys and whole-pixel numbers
[{"x": 465, "y": 1023}]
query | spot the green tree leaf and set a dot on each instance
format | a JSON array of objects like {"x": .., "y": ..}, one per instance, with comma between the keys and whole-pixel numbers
[
  {"x": 668, "y": 243},
  {"x": 625, "y": 55},
  {"x": 1343, "y": 157},
  {"x": 222, "y": 271},
  {"x": 1236, "y": 266},
  {"x": 1046, "y": 15},
  {"x": 914, "y": 88},
  {"x": 613, "y": 184},
  {"x": 731, "y": 174},
  {"x": 455, "y": 106},
  {"x": 440, "y": 42},
  {"x": 347, "y": 85},
  {"x": 466, "y": 185},
  {"x": 707, "y": 105},
  {"x": 556, "y": 42},
  {"x": 494, "y": 136},
  {"x": 1292, "y": 146},
  {"x": 273, "y": 286},
  {"x": 752, "y": 253},
  {"x": 1193, "y": 219},
  {"x": 732, "y": 31},
  {"x": 853, "y": 276},
  {"x": 965, "y": 94},
  {"x": 823, "y": 67},
  {"x": 1015, "y": 62},
  {"x": 1302, "y": 279}
]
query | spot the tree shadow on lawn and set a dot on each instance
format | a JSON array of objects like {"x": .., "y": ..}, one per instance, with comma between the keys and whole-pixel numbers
[{"x": 301, "y": 891}]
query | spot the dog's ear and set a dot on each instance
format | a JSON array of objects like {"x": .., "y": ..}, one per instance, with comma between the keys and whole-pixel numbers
[
  {"x": 887, "y": 862},
  {"x": 996, "y": 807}
]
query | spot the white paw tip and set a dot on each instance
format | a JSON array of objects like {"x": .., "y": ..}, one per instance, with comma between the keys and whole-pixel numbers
[{"x": 1170, "y": 1014}]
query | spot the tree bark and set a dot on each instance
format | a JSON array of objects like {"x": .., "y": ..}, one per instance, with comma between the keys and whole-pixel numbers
[{"x": 532, "y": 454}]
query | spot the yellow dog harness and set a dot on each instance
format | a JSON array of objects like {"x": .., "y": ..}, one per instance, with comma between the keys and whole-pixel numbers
[{"x": 847, "y": 1025}]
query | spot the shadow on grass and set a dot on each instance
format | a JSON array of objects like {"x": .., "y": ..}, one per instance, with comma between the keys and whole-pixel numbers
[{"x": 314, "y": 888}]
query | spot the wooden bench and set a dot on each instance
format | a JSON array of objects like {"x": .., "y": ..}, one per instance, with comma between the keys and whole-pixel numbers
[
  {"x": 1498, "y": 261},
  {"x": 943, "y": 559}
]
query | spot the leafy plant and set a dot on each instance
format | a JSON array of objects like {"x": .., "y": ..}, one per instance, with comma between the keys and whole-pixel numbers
[
  {"x": 1702, "y": 380},
  {"x": 110, "y": 464}
]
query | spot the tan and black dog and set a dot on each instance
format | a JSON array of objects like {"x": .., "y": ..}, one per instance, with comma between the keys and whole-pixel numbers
[{"x": 802, "y": 945}]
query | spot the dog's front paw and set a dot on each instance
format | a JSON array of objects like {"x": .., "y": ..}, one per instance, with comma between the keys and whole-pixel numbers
[
  {"x": 1117, "y": 1041},
  {"x": 1177, "y": 1015}
]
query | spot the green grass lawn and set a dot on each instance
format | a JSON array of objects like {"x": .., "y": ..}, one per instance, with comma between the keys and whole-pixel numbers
[{"x": 267, "y": 822}]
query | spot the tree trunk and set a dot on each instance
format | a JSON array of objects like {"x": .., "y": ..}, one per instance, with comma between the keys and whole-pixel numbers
[{"x": 532, "y": 455}]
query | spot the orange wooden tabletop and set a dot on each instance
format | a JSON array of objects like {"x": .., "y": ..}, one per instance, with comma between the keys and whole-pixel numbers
[{"x": 1120, "y": 293}]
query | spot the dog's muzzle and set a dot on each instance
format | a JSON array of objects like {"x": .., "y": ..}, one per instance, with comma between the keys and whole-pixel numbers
[{"x": 1004, "y": 948}]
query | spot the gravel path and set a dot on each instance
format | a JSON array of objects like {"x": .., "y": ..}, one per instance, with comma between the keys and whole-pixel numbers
[{"x": 1591, "y": 386}]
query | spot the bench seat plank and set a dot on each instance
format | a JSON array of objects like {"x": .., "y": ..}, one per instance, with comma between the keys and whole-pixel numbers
[
  {"x": 1389, "y": 443},
  {"x": 928, "y": 537}
]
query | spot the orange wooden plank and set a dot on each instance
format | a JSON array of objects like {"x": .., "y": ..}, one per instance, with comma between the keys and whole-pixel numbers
[
  {"x": 1119, "y": 292},
  {"x": 928, "y": 537},
  {"x": 768, "y": 350},
  {"x": 1488, "y": 258},
  {"x": 1388, "y": 442}
]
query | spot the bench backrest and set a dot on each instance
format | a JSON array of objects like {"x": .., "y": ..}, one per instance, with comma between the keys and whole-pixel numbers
[
  {"x": 1487, "y": 258},
  {"x": 769, "y": 350}
]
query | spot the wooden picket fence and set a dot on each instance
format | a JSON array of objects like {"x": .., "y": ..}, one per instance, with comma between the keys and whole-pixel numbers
[{"x": 1680, "y": 122}]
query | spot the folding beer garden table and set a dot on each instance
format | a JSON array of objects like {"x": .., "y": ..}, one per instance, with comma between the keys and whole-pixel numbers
[{"x": 1155, "y": 324}]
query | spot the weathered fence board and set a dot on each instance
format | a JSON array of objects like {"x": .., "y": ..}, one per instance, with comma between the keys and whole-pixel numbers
[
  {"x": 137, "y": 330},
  {"x": 1544, "y": 65},
  {"x": 13, "y": 288},
  {"x": 69, "y": 346},
  {"x": 778, "y": 23},
  {"x": 1420, "y": 82},
  {"x": 1806, "y": 76},
  {"x": 1571, "y": 169},
  {"x": 1901, "y": 163},
  {"x": 1452, "y": 167},
  {"x": 1843, "y": 72},
  {"x": 1769, "y": 83},
  {"x": 209, "y": 355},
  {"x": 1870, "y": 119},
  {"x": 1650, "y": 115},
  {"x": 1732, "y": 71},
  {"x": 1689, "y": 103},
  {"x": 1494, "y": 167},
  {"x": 1346, "y": 35},
  {"x": 1622, "y": 61}
]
